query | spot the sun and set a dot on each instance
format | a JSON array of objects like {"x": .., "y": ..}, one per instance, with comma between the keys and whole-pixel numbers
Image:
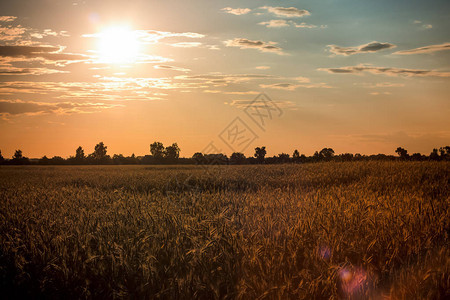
[{"x": 118, "y": 45}]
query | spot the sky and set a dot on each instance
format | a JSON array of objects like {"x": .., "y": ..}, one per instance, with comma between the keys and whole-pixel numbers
[{"x": 358, "y": 76}]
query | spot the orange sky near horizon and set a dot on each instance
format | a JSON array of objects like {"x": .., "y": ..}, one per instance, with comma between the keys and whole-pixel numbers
[{"x": 359, "y": 77}]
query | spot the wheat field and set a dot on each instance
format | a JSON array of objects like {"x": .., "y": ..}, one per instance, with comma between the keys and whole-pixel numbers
[{"x": 360, "y": 230}]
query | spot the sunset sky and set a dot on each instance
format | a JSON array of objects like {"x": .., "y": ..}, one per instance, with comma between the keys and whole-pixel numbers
[{"x": 358, "y": 76}]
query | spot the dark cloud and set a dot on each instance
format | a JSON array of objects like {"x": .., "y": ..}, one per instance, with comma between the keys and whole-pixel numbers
[
  {"x": 259, "y": 45},
  {"x": 287, "y": 11},
  {"x": 366, "y": 48},
  {"x": 426, "y": 49},
  {"x": 385, "y": 70},
  {"x": 10, "y": 71},
  {"x": 45, "y": 52},
  {"x": 293, "y": 87},
  {"x": 173, "y": 68},
  {"x": 19, "y": 107}
]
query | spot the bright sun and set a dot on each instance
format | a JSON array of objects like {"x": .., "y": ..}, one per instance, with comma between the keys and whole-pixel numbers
[{"x": 118, "y": 45}]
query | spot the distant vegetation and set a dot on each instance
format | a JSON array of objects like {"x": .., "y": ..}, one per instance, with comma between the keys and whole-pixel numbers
[
  {"x": 360, "y": 230},
  {"x": 160, "y": 155}
]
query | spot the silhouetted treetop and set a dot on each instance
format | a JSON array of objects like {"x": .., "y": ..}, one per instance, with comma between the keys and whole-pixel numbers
[{"x": 157, "y": 150}]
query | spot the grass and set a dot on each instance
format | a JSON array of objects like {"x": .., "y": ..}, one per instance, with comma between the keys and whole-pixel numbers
[{"x": 317, "y": 231}]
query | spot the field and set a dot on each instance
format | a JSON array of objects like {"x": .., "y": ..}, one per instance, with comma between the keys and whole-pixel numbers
[{"x": 315, "y": 231}]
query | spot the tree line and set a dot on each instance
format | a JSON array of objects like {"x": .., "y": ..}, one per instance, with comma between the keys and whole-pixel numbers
[{"x": 171, "y": 155}]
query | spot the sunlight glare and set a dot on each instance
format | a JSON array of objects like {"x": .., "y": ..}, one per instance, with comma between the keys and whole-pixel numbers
[{"x": 118, "y": 45}]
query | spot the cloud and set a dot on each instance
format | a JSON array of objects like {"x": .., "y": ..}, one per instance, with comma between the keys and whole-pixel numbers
[
  {"x": 14, "y": 71},
  {"x": 380, "y": 85},
  {"x": 244, "y": 93},
  {"x": 280, "y": 86},
  {"x": 262, "y": 67},
  {"x": 7, "y": 18},
  {"x": 366, "y": 48},
  {"x": 153, "y": 36},
  {"x": 423, "y": 26},
  {"x": 379, "y": 93},
  {"x": 186, "y": 44},
  {"x": 243, "y": 43},
  {"x": 46, "y": 52},
  {"x": 106, "y": 89},
  {"x": 304, "y": 25},
  {"x": 30, "y": 108},
  {"x": 293, "y": 87},
  {"x": 385, "y": 70},
  {"x": 19, "y": 35},
  {"x": 242, "y": 104},
  {"x": 288, "y": 23},
  {"x": 218, "y": 79},
  {"x": 173, "y": 68},
  {"x": 425, "y": 49},
  {"x": 11, "y": 33},
  {"x": 236, "y": 11},
  {"x": 43, "y": 54},
  {"x": 275, "y": 23},
  {"x": 286, "y": 11}
]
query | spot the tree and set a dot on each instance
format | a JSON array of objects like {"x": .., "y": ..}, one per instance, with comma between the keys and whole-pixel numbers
[
  {"x": 79, "y": 154},
  {"x": 296, "y": 156},
  {"x": 416, "y": 156},
  {"x": 199, "y": 158},
  {"x": 172, "y": 152},
  {"x": 445, "y": 152},
  {"x": 1, "y": 157},
  {"x": 402, "y": 153},
  {"x": 283, "y": 158},
  {"x": 434, "y": 155},
  {"x": 19, "y": 159},
  {"x": 157, "y": 150},
  {"x": 44, "y": 160},
  {"x": 57, "y": 160},
  {"x": 100, "y": 152},
  {"x": 18, "y": 155},
  {"x": 326, "y": 153},
  {"x": 237, "y": 158},
  {"x": 260, "y": 154},
  {"x": 346, "y": 157}
]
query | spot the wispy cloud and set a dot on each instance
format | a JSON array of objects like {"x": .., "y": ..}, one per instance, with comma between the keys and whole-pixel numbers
[
  {"x": 16, "y": 71},
  {"x": 236, "y": 11},
  {"x": 242, "y": 104},
  {"x": 152, "y": 36},
  {"x": 380, "y": 85},
  {"x": 262, "y": 46},
  {"x": 293, "y": 87},
  {"x": 186, "y": 44},
  {"x": 425, "y": 49},
  {"x": 287, "y": 23},
  {"x": 219, "y": 79},
  {"x": 386, "y": 71},
  {"x": 291, "y": 12},
  {"x": 423, "y": 26},
  {"x": 366, "y": 48},
  {"x": 7, "y": 18},
  {"x": 172, "y": 68},
  {"x": 16, "y": 34},
  {"x": 46, "y": 54},
  {"x": 19, "y": 107},
  {"x": 275, "y": 23}
]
